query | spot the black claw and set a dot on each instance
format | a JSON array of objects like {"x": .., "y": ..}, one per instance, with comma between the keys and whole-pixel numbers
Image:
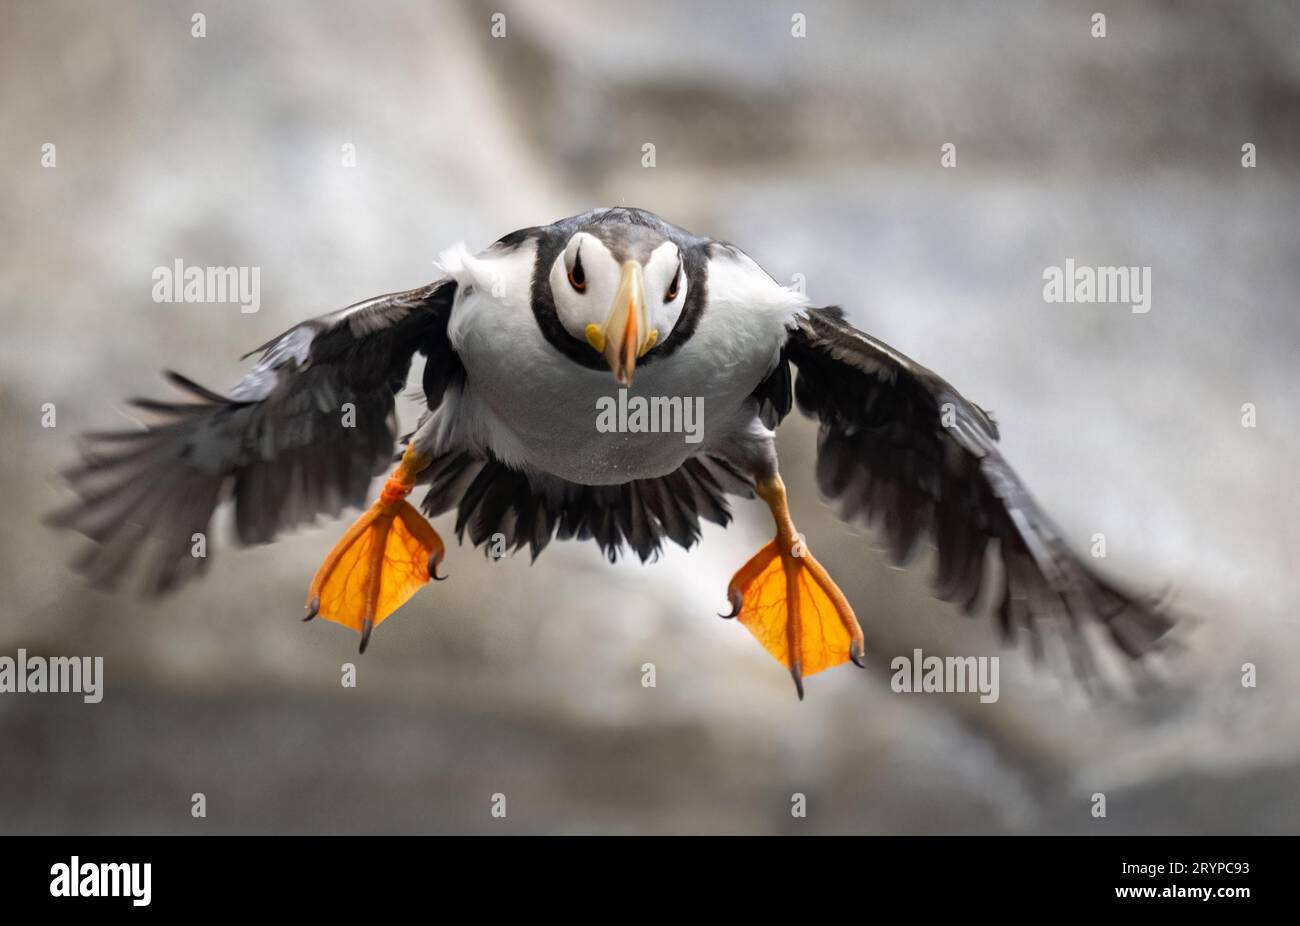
[
  {"x": 365, "y": 636},
  {"x": 796, "y": 672},
  {"x": 312, "y": 610},
  {"x": 433, "y": 569},
  {"x": 736, "y": 601},
  {"x": 855, "y": 653}
]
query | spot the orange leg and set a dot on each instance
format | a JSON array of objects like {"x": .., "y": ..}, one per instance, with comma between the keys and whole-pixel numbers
[
  {"x": 790, "y": 603},
  {"x": 382, "y": 560}
]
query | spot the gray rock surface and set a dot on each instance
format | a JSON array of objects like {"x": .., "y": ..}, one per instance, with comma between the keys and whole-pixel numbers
[{"x": 820, "y": 156}]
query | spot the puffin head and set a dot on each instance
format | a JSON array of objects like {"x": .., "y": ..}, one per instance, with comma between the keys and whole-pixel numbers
[{"x": 619, "y": 286}]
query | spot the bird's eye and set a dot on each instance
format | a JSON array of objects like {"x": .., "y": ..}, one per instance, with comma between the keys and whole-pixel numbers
[
  {"x": 577, "y": 276},
  {"x": 671, "y": 294}
]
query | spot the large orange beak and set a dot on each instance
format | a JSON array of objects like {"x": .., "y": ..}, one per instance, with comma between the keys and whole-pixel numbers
[{"x": 627, "y": 333}]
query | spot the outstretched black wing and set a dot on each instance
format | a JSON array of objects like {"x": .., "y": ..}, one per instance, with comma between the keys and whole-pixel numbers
[
  {"x": 901, "y": 450},
  {"x": 302, "y": 434}
]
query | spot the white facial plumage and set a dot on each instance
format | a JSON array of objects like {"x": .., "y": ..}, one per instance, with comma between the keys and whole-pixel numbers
[{"x": 585, "y": 279}]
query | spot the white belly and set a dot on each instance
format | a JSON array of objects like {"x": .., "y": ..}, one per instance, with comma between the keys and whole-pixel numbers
[
  {"x": 555, "y": 416},
  {"x": 533, "y": 408}
]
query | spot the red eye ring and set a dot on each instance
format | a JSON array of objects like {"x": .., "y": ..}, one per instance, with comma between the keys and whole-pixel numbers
[
  {"x": 577, "y": 276},
  {"x": 671, "y": 294}
]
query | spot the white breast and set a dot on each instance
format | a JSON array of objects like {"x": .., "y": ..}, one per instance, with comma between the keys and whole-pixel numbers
[{"x": 533, "y": 408}]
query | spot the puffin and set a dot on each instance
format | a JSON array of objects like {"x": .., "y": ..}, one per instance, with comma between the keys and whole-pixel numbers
[{"x": 528, "y": 345}]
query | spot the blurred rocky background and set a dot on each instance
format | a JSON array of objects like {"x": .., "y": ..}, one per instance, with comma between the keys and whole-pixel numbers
[{"x": 819, "y": 155}]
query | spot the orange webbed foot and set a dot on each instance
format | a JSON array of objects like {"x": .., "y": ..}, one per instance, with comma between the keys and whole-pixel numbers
[
  {"x": 789, "y": 602},
  {"x": 382, "y": 560}
]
